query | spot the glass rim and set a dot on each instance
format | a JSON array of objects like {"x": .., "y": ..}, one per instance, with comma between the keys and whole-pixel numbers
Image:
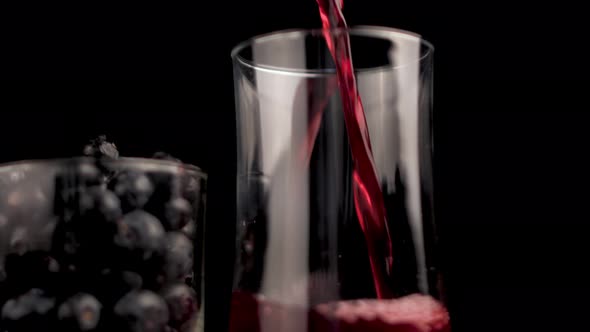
[
  {"x": 121, "y": 160},
  {"x": 374, "y": 31}
]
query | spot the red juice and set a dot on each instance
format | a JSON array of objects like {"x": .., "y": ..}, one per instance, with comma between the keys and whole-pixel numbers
[{"x": 368, "y": 199}]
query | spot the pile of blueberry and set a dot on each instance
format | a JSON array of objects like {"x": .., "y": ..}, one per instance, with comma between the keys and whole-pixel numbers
[{"x": 121, "y": 255}]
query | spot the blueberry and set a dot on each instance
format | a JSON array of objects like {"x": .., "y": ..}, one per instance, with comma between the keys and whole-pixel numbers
[
  {"x": 3, "y": 223},
  {"x": 87, "y": 238},
  {"x": 182, "y": 304},
  {"x": 141, "y": 231},
  {"x": 100, "y": 147},
  {"x": 20, "y": 241},
  {"x": 178, "y": 257},
  {"x": 79, "y": 313},
  {"x": 190, "y": 229},
  {"x": 31, "y": 311},
  {"x": 142, "y": 311},
  {"x": 166, "y": 187},
  {"x": 99, "y": 205},
  {"x": 165, "y": 156},
  {"x": 86, "y": 174},
  {"x": 178, "y": 213},
  {"x": 133, "y": 188},
  {"x": 140, "y": 241},
  {"x": 191, "y": 188},
  {"x": 77, "y": 177},
  {"x": 80, "y": 174},
  {"x": 131, "y": 280}
]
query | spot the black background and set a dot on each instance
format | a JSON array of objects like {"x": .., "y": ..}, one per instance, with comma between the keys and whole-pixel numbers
[{"x": 511, "y": 125}]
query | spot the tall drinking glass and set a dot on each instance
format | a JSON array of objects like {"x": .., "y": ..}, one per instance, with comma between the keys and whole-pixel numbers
[{"x": 303, "y": 260}]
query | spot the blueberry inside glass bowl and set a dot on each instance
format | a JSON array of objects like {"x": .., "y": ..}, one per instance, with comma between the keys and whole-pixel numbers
[{"x": 91, "y": 244}]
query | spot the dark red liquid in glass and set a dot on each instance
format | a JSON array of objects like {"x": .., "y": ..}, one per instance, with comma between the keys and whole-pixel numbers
[{"x": 368, "y": 199}]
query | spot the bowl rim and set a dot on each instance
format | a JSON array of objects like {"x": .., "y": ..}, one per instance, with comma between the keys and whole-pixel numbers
[
  {"x": 371, "y": 31},
  {"x": 121, "y": 160}
]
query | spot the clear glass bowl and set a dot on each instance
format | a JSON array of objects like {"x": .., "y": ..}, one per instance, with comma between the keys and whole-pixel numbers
[{"x": 101, "y": 245}]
